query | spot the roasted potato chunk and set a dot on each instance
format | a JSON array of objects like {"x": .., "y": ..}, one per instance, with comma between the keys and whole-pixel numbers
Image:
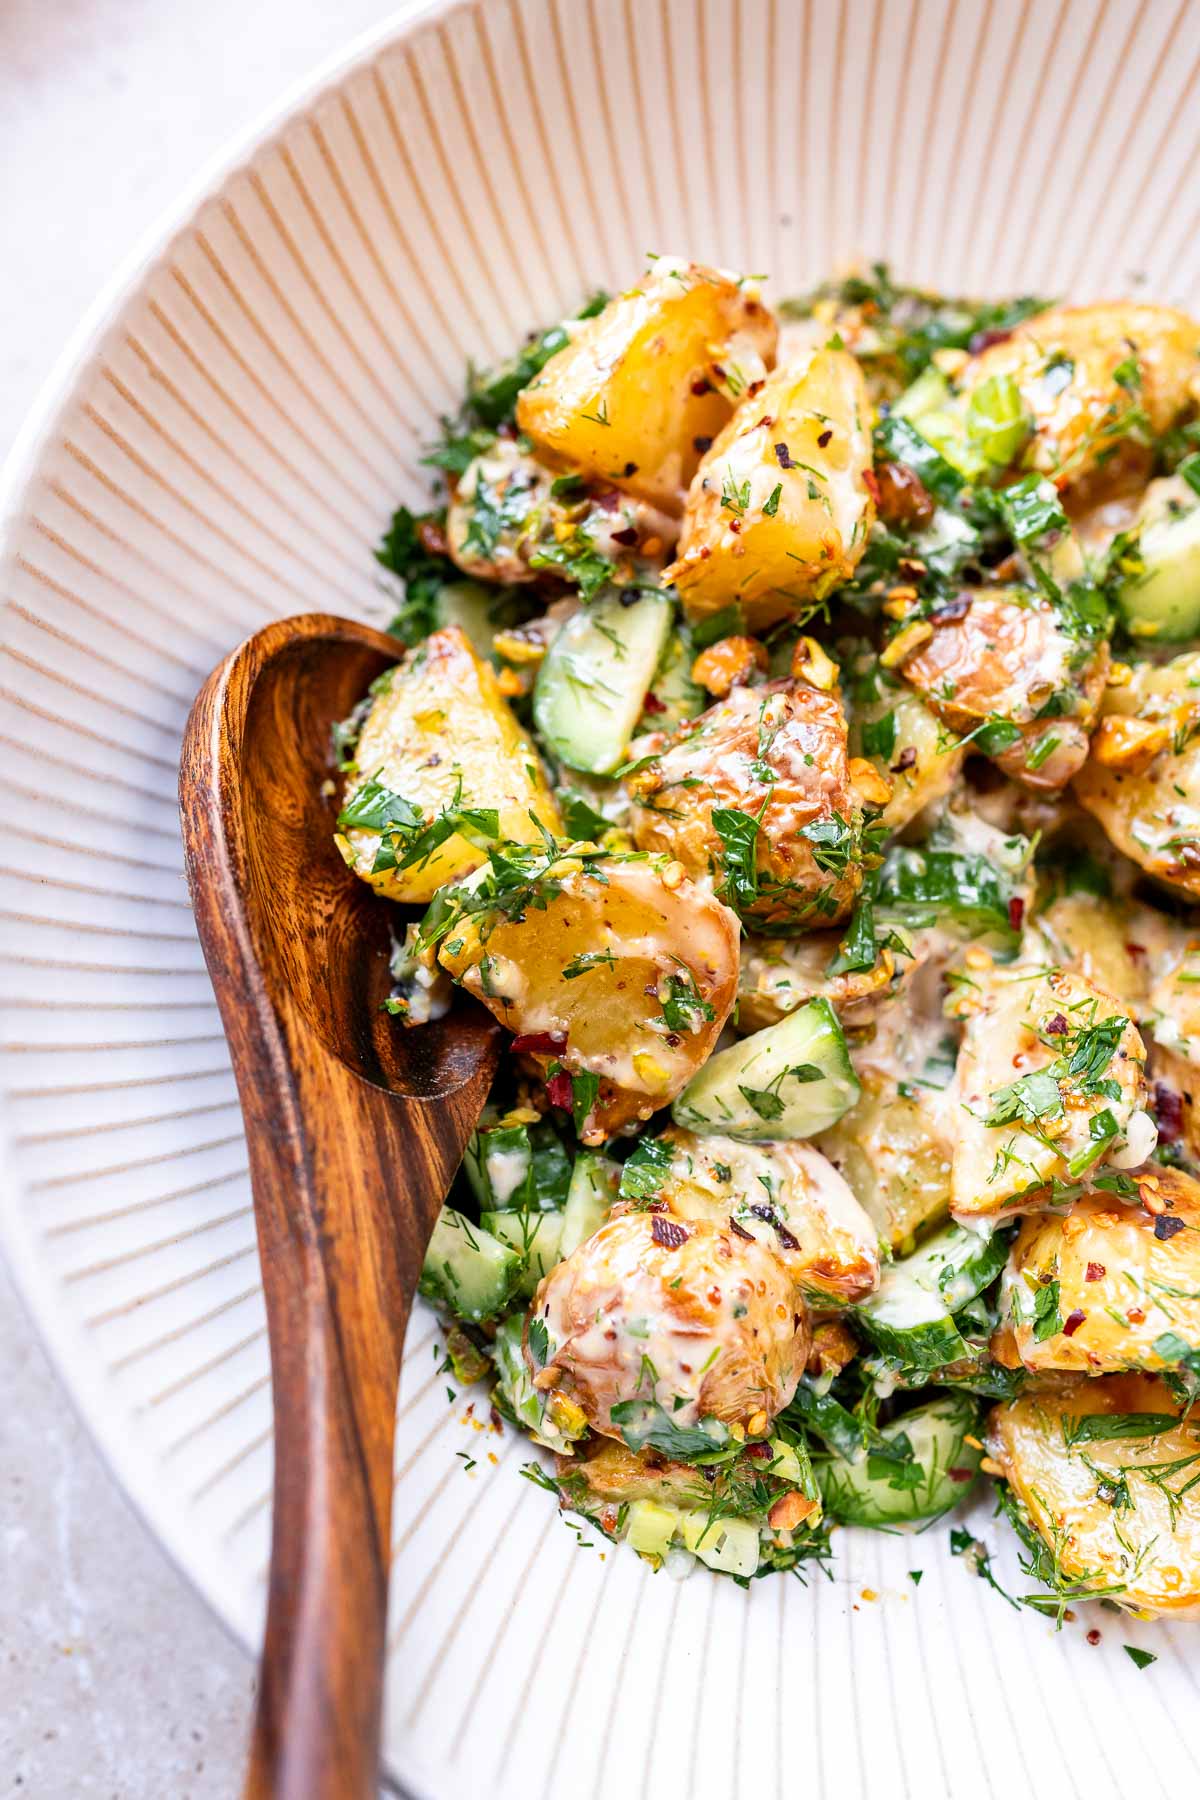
[
  {"x": 1173, "y": 1022},
  {"x": 1005, "y": 657},
  {"x": 894, "y": 1151},
  {"x": 613, "y": 968},
  {"x": 776, "y": 975},
  {"x": 611, "y": 1471},
  {"x": 1142, "y": 779},
  {"x": 803, "y": 871},
  {"x": 439, "y": 736},
  {"x": 1049, "y": 1082},
  {"x": 1099, "y": 940},
  {"x": 1119, "y": 1515},
  {"x": 693, "y": 1318},
  {"x": 789, "y": 1197},
  {"x": 1095, "y": 1290},
  {"x": 912, "y": 749},
  {"x": 633, "y": 398},
  {"x": 1085, "y": 374},
  {"x": 779, "y": 511}
]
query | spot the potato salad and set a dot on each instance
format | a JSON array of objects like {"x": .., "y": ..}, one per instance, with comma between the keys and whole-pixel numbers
[{"x": 794, "y": 742}]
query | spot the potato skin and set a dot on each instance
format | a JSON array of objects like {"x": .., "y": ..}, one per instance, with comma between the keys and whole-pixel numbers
[
  {"x": 779, "y": 511},
  {"x": 714, "y": 761},
  {"x": 631, "y": 1317},
  {"x": 1079, "y": 440},
  {"x": 892, "y": 1151},
  {"x": 924, "y": 763},
  {"x": 629, "y": 396},
  {"x": 996, "y": 1165},
  {"x": 833, "y": 1253},
  {"x": 441, "y": 720},
  {"x": 1120, "y": 1286},
  {"x": 1004, "y": 658},
  {"x": 610, "y": 1013},
  {"x": 1151, "y": 809},
  {"x": 776, "y": 975},
  {"x": 1146, "y": 1559}
]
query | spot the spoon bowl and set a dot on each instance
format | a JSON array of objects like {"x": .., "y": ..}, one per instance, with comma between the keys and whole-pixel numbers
[{"x": 355, "y": 1128}]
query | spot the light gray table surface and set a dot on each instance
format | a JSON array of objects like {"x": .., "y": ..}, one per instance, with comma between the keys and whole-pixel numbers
[{"x": 115, "y": 1679}]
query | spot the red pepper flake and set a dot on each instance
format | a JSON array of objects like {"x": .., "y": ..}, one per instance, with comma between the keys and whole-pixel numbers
[
  {"x": 628, "y": 537},
  {"x": 558, "y": 1090},
  {"x": 1073, "y": 1321},
  {"x": 1168, "y": 1110},
  {"x": 824, "y": 437},
  {"x": 702, "y": 385},
  {"x": 983, "y": 340},
  {"x": 668, "y": 1234},
  {"x": 740, "y": 1231},
  {"x": 630, "y": 469},
  {"x": 955, "y": 609},
  {"x": 539, "y": 1043},
  {"x": 871, "y": 483},
  {"x": 759, "y": 1451},
  {"x": 652, "y": 704},
  {"x": 1093, "y": 1636},
  {"x": 961, "y": 1474},
  {"x": 1136, "y": 950},
  {"x": 1016, "y": 912},
  {"x": 609, "y": 500},
  {"x": 1096, "y": 1272},
  {"x": 1166, "y": 1227},
  {"x": 701, "y": 444},
  {"x": 1057, "y": 1026},
  {"x": 905, "y": 760},
  {"x": 783, "y": 457}
]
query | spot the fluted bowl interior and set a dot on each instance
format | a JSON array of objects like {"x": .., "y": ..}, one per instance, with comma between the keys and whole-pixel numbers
[{"x": 223, "y": 447}]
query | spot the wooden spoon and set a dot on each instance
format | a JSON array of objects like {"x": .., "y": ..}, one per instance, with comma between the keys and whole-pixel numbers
[{"x": 355, "y": 1127}]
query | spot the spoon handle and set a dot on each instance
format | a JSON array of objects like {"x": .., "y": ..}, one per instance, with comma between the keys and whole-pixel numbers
[{"x": 338, "y": 1273}]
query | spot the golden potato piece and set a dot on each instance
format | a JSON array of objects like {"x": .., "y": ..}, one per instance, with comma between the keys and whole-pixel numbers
[
  {"x": 694, "y": 1317},
  {"x": 610, "y": 970},
  {"x": 1066, "y": 363},
  {"x": 1118, "y": 1515},
  {"x": 1004, "y": 654},
  {"x": 610, "y": 1471},
  {"x": 1099, "y": 940},
  {"x": 1044, "y": 1056},
  {"x": 439, "y": 735},
  {"x": 1126, "y": 1275},
  {"x": 776, "y": 975},
  {"x": 1150, "y": 807},
  {"x": 716, "y": 762},
  {"x": 630, "y": 399},
  {"x": 789, "y": 1197},
  {"x": 894, "y": 1152},
  {"x": 913, "y": 750},
  {"x": 779, "y": 512}
]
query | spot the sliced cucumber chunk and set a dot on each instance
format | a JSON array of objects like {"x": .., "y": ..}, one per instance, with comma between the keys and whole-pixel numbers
[
  {"x": 537, "y": 1412},
  {"x": 910, "y": 1317},
  {"x": 730, "y": 1546},
  {"x": 521, "y": 1167},
  {"x": 468, "y": 1269},
  {"x": 651, "y": 1528},
  {"x": 594, "y": 1183},
  {"x": 592, "y": 686},
  {"x": 922, "y": 1467},
  {"x": 1160, "y": 598},
  {"x": 677, "y": 697},
  {"x": 472, "y": 607},
  {"x": 535, "y": 1236},
  {"x": 789, "y": 1081}
]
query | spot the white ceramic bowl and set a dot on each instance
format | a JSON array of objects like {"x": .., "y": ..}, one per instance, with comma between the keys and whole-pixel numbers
[{"x": 227, "y": 437}]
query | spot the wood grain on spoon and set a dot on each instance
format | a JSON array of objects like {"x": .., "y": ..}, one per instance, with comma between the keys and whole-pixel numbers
[{"x": 355, "y": 1128}]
